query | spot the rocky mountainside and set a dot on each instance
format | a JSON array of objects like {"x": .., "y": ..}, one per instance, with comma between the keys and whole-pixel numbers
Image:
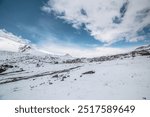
[
  {"x": 25, "y": 57},
  {"x": 25, "y": 48},
  {"x": 140, "y": 51}
]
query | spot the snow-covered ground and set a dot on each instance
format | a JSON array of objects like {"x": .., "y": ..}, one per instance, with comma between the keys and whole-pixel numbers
[{"x": 47, "y": 77}]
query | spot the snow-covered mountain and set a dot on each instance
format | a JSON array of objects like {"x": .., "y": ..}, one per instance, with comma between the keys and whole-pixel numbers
[
  {"x": 24, "y": 75},
  {"x": 10, "y": 42}
]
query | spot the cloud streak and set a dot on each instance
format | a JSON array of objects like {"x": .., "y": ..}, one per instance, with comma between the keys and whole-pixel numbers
[
  {"x": 75, "y": 51},
  {"x": 106, "y": 20},
  {"x": 11, "y": 42}
]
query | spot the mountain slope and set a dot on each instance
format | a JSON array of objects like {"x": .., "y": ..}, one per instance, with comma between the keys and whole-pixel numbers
[
  {"x": 30, "y": 76},
  {"x": 10, "y": 42}
]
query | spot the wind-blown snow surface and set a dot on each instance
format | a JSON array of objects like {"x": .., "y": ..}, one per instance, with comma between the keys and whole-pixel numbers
[{"x": 42, "y": 77}]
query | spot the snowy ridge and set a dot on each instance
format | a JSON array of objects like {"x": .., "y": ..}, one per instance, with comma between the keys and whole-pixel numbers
[
  {"x": 10, "y": 42},
  {"x": 11, "y": 37},
  {"x": 141, "y": 51},
  {"x": 145, "y": 47}
]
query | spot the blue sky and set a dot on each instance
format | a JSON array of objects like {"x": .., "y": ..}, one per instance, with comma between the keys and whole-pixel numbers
[
  {"x": 78, "y": 24},
  {"x": 18, "y": 16}
]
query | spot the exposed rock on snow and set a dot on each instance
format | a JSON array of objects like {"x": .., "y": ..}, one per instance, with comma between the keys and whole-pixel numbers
[{"x": 24, "y": 48}]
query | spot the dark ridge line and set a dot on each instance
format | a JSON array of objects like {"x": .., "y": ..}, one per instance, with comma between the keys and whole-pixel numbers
[
  {"x": 14, "y": 79},
  {"x": 11, "y": 72}
]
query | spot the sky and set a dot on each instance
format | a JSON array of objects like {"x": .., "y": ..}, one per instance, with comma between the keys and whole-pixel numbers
[{"x": 78, "y": 27}]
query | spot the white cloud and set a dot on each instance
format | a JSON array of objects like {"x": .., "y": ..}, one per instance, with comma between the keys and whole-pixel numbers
[
  {"x": 46, "y": 9},
  {"x": 73, "y": 50},
  {"x": 57, "y": 47},
  {"x": 98, "y": 16}
]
